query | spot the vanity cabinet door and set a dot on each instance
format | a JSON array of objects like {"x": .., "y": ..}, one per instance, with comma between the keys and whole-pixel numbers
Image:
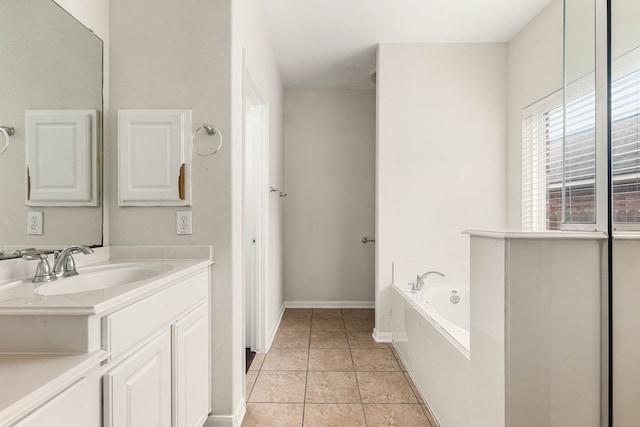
[
  {"x": 191, "y": 368},
  {"x": 137, "y": 392}
]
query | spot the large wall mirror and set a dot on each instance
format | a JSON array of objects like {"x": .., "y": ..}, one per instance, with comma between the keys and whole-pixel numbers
[{"x": 49, "y": 62}]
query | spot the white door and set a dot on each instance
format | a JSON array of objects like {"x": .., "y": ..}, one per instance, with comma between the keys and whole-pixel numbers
[
  {"x": 137, "y": 392},
  {"x": 256, "y": 192}
]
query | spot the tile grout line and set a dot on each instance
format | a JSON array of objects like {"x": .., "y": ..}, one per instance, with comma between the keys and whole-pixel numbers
[
  {"x": 306, "y": 378},
  {"x": 415, "y": 390},
  {"x": 355, "y": 374}
]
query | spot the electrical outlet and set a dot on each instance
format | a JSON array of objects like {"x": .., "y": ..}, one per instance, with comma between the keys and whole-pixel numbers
[
  {"x": 34, "y": 222},
  {"x": 183, "y": 222}
]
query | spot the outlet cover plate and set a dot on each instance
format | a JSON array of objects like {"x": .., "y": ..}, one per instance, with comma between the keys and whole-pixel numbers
[
  {"x": 183, "y": 222},
  {"x": 34, "y": 222}
]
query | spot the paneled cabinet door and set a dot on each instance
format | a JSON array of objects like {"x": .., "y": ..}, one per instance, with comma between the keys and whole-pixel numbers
[
  {"x": 191, "y": 368},
  {"x": 154, "y": 157},
  {"x": 62, "y": 157},
  {"x": 137, "y": 392}
]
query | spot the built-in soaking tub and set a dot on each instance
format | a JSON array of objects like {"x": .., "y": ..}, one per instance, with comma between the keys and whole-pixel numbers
[{"x": 431, "y": 334}]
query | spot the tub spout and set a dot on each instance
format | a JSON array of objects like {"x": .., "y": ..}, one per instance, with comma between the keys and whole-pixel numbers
[{"x": 419, "y": 285}]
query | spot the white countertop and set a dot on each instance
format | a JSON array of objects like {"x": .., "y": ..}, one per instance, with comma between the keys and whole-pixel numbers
[
  {"x": 98, "y": 301},
  {"x": 21, "y": 298},
  {"x": 27, "y": 380}
]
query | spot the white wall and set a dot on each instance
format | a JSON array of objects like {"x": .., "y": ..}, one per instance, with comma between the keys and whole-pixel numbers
[
  {"x": 534, "y": 70},
  {"x": 440, "y": 153},
  {"x": 553, "y": 299},
  {"x": 535, "y": 329},
  {"x": 330, "y": 175},
  {"x": 626, "y": 347},
  {"x": 487, "y": 331},
  {"x": 187, "y": 67},
  {"x": 189, "y": 55}
]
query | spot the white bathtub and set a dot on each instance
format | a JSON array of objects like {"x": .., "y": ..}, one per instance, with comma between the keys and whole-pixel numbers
[
  {"x": 432, "y": 337},
  {"x": 452, "y": 318}
]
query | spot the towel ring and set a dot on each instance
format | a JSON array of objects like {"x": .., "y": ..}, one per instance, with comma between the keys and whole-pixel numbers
[
  {"x": 211, "y": 131},
  {"x": 7, "y": 132}
]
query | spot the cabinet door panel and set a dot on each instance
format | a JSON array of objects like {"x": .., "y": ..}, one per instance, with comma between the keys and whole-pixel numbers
[
  {"x": 61, "y": 151},
  {"x": 191, "y": 368},
  {"x": 152, "y": 147},
  {"x": 137, "y": 392}
]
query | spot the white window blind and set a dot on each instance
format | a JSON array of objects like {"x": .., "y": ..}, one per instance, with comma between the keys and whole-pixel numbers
[
  {"x": 542, "y": 127},
  {"x": 544, "y": 157},
  {"x": 580, "y": 152},
  {"x": 625, "y": 138}
]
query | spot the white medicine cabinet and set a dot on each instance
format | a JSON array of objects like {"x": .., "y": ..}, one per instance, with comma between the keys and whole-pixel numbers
[
  {"x": 62, "y": 157},
  {"x": 154, "y": 157}
]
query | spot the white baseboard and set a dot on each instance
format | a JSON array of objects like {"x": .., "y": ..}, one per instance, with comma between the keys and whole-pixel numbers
[
  {"x": 274, "y": 330},
  {"x": 382, "y": 336},
  {"x": 329, "y": 304},
  {"x": 234, "y": 420}
]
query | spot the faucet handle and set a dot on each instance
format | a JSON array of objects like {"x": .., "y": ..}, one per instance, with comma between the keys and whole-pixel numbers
[
  {"x": 43, "y": 270},
  {"x": 22, "y": 252}
]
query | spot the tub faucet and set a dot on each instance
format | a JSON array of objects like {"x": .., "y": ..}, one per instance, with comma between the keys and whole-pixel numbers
[
  {"x": 64, "y": 265},
  {"x": 419, "y": 285}
]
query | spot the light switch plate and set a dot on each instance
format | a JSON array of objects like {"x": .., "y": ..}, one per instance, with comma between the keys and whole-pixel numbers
[
  {"x": 34, "y": 222},
  {"x": 183, "y": 222}
]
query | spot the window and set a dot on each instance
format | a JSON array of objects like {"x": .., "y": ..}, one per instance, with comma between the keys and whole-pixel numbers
[
  {"x": 544, "y": 156},
  {"x": 579, "y": 157},
  {"x": 542, "y": 127},
  {"x": 625, "y": 139}
]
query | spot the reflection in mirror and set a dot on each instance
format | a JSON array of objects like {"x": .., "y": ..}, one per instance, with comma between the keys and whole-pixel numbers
[
  {"x": 49, "y": 62},
  {"x": 625, "y": 112},
  {"x": 579, "y": 168}
]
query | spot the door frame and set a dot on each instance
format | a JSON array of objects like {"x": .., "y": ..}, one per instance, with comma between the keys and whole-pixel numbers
[{"x": 255, "y": 304}]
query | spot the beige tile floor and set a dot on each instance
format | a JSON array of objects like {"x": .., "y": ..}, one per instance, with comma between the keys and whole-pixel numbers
[{"x": 325, "y": 369}]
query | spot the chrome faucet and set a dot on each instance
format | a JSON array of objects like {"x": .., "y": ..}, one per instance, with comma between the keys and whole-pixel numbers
[
  {"x": 419, "y": 284},
  {"x": 64, "y": 265}
]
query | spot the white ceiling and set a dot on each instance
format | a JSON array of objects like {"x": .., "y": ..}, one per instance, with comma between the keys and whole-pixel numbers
[{"x": 332, "y": 43}]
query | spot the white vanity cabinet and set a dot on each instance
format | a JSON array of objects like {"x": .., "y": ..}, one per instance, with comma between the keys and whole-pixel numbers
[
  {"x": 138, "y": 391},
  {"x": 160, "y": 358}
]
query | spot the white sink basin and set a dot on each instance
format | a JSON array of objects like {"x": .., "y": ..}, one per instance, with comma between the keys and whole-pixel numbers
[{"x": 91, "y": 279}]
